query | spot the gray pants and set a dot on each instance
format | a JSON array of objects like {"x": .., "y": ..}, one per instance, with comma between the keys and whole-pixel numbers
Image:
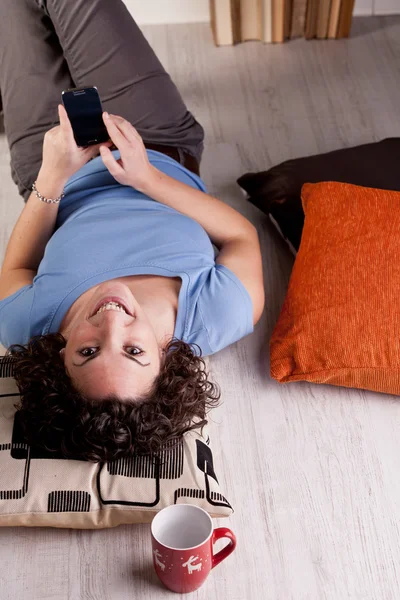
[{"x": 47, "y": 46}]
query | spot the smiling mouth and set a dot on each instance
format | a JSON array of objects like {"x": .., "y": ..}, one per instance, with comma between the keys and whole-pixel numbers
[{"x": 111, "y": 299}]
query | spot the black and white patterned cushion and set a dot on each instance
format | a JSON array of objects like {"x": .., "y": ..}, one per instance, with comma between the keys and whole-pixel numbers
[{"x": 41, "y": 489}]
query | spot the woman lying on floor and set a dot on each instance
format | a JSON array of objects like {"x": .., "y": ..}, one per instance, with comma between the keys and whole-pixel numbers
[{"x": 101, "y": 379}]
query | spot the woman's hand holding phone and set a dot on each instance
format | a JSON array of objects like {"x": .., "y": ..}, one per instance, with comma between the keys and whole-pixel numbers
[
  {"x": 133, "y": 168},
  {"x": 61, "y": 155}
]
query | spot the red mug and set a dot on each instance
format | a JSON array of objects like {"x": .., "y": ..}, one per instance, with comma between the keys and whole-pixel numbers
[{"x": 182, "y": 538}]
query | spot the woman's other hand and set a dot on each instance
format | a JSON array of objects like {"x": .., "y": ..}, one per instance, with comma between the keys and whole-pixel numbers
[
  {"x": 61, "y": 155},
  {"x": 133, "y": 168}
]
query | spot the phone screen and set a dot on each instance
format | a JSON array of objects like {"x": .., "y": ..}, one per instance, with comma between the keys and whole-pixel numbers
[{"x": 85, "y": 113}]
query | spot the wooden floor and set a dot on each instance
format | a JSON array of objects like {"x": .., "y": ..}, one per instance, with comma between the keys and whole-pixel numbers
[{"x": 312, "y": 471}]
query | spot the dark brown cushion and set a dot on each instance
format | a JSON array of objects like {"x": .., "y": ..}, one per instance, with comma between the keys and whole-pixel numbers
[{"x": 277, "y": 191}]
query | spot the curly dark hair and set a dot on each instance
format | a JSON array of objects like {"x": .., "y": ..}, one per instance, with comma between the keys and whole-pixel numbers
[{"x": 55, "y": 416}]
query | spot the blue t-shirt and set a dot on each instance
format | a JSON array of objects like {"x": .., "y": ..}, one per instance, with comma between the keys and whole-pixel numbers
[{"x": 105, "y": 230}]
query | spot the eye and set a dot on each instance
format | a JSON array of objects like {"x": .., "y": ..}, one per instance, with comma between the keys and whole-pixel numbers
[
  {"x": 136, "y": 351},
  {"x": 83, "y": 352}
]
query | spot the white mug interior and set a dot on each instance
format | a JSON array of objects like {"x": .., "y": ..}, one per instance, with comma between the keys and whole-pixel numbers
[{"x": 182, "y": 526}]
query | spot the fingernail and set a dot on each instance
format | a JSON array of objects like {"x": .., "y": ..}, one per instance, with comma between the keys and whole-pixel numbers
[{"x": 106, "y": 115}]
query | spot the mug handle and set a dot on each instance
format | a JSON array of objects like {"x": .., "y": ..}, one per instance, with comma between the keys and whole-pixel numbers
[{"x": 219, "y": 533}]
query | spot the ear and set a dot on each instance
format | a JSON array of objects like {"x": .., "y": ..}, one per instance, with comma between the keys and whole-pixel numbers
[{"x": 162, "y": 354}]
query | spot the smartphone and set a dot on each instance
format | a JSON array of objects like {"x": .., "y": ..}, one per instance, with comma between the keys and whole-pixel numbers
[{"x": 84, "y": 110}]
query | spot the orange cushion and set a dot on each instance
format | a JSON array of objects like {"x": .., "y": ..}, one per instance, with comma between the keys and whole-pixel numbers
[{"x": 340, "y": 321}]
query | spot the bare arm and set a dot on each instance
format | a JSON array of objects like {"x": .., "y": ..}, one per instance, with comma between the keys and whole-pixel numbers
[
  {"x": 35, "y": 225},
  {"x": 220, "y": 221},
  {"x": 233, "y": 234}
]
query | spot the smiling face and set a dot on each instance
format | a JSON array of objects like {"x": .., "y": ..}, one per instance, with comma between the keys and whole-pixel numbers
[{"x": 112, "y": 352}]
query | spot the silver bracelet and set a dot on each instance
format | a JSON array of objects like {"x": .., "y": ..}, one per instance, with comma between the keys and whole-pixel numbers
[{"x": 43, "y": 199}]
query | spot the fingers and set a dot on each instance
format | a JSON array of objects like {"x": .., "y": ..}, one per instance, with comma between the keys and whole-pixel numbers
[
  {"x": 109, "y": 161},
  {"x": 91, "y": 151},
  {"x": 125, "y": 127},
  {"x": 65, "y": 123},
  {"x": 114, "y": 132}
]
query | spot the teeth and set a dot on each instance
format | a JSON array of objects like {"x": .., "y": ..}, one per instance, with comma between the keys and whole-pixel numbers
[{"x": 111, "y": 306}]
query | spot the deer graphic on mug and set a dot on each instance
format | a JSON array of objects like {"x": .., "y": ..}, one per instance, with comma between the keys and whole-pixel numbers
[
  {"x": 191, "y": 567},
  {"x": 157, "y": 556}
]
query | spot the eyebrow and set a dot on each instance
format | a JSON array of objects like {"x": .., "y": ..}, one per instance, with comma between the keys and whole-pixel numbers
[{"x": 122, "y": 354}]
